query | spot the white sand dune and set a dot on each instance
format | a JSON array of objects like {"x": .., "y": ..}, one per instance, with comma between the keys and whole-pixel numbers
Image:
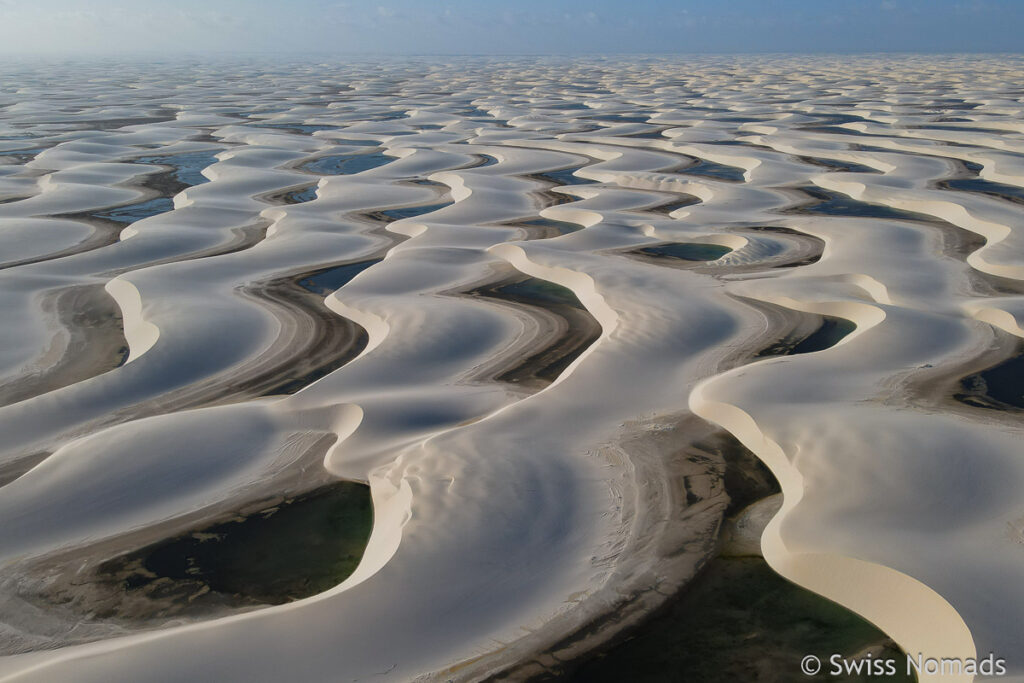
[{"x": 513, "y": 525}]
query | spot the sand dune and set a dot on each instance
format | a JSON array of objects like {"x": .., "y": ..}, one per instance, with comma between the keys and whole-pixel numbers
[{"x": 220, "y": 283}]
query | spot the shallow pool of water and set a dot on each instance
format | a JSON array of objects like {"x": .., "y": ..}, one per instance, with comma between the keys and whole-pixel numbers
[
  {"x": 187, "y": 167},
  {"x": 998, "y": 387},
  {"x": 830, "y": 332},
  {"x": 346, "y": 164},
  {"x": 331, "y": 279},
  {"x": 988, "y": 187},
  {"x": 566, "y": 176},
  {"x": 136, "y": 212},
  {"x": 413, "y": 211},
  {"x": 287, "y": 551},
  {"x": 688, "y": 251}
]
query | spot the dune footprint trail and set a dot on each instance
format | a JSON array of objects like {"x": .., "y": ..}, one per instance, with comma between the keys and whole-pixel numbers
[{"x": 452, "y": 332}]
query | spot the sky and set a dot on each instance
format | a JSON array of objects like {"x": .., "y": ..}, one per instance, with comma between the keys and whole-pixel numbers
[{"x": 501, "y": 27}]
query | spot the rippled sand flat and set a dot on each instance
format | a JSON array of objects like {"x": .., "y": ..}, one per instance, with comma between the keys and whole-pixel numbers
[{"x": 515, "y": 301}]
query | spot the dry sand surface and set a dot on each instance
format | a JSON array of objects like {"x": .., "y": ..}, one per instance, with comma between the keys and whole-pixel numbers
[{"x": 515, "y": 298}]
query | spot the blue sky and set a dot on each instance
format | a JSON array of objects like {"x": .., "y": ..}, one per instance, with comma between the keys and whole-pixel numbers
[{"x": 502, "y": 27}]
